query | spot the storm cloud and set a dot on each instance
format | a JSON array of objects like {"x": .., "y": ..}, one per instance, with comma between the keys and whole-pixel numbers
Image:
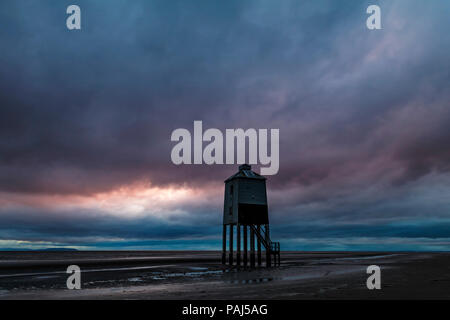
[{"x": 364, "y": 117}]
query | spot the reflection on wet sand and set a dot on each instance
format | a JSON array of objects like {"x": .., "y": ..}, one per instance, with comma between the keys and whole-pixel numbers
[{"x": 198, "y": 275}]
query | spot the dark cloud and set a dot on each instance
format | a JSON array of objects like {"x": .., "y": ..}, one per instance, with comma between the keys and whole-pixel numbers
[{"x": 363, "y": 116}]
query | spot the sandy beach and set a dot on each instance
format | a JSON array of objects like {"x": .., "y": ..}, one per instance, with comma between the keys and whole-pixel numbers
[{"x": 199, "y": 275}]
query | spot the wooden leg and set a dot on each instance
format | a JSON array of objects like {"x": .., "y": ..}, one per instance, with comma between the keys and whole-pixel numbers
[
  {"x": 252, "y": 248},
  {"x": 259, "y": 246},
  {"x": 224, "y": 244},
  {"x": 238, "y": 245},
  {"x": 268, "y": 254},
  {"x": 231, "y": 245},
  {"x": 245, "y": 246}
]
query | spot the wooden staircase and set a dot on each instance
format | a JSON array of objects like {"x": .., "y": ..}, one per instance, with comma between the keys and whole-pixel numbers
[{"x": 272, "y": 248}]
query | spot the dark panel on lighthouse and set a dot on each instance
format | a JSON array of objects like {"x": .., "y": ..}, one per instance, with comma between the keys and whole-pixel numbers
[{"x": 253, "y": 213}]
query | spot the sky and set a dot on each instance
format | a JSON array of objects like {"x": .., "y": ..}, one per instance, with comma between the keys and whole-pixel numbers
[{"x": 86, "y": 118}]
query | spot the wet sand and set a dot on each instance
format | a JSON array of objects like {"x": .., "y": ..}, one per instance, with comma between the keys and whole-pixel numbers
[{"x": 199, "y": 275}]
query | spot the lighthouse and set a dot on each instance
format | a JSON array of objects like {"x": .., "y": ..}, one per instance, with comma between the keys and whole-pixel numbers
[{"x": 246, "y": 215}]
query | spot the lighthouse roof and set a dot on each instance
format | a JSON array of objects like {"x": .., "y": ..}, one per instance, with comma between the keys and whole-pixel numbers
[{"x": 245, "y": 171}]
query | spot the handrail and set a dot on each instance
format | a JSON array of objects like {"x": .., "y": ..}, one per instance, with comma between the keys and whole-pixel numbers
[{"x": 273, "y": 247}]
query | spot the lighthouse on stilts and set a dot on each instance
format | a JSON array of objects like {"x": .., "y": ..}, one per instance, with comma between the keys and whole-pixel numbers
[{"x": 246, "y": 210}]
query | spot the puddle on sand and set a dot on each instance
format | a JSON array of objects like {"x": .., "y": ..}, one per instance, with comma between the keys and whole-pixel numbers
[
  {"x": 320, "y": 273},
  {"x": 249, "y": 281},
  {"x": 302, "y": 276},
  {"x": 137, "y": 279},
  {"x": 198, "y": 268},
  {"x": 84, "y": 271},
  {"x": 192, "y": 274}
]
